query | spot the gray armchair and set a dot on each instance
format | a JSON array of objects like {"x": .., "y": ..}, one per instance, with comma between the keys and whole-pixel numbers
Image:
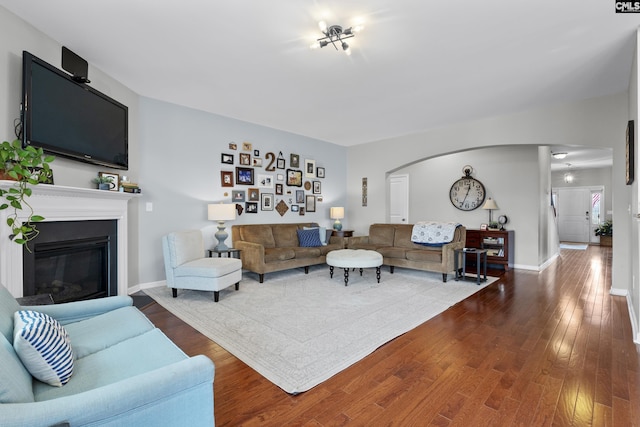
[{"x": 186, "y": 266}]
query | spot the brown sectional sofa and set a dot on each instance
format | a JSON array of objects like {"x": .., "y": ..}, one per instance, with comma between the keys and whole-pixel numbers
[
  {"x": 274, "y": 247},
  {"x": 393, "y": 241}
]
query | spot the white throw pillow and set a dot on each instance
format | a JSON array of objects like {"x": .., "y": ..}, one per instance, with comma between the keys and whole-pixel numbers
[{"x": 43, "y": 346}]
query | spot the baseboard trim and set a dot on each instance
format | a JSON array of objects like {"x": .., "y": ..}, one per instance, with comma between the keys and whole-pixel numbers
[
  {"x": 634, "y": 320},
  {"x": 142, "y": 286}
]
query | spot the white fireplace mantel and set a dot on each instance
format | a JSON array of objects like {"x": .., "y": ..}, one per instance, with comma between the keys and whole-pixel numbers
[{"x": 60, "y": 203}]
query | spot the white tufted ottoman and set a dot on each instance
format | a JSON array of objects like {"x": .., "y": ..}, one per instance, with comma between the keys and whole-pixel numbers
[{"x": 354, "y": 258}]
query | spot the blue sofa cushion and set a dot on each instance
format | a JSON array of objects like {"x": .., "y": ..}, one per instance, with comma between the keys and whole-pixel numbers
[
  {"x": 16, "y": 382},
  {"x": 43, "y": 346},
  {"x": 8, "y": 306},
  {"x": 102, "y": 331},
  {"x": 309, "y": 238},
  {"x": 137, "y": 355}
]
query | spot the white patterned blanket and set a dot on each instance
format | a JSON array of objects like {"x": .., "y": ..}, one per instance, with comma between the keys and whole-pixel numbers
[{"x": 433, "y": 233}]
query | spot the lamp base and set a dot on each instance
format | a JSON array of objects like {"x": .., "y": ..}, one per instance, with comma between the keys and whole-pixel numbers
[
  {"x": 337, "y": 225},
  {"x": 221, "y": 235}
]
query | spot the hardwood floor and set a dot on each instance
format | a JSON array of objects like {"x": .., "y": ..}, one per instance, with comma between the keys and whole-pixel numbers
[{"x": 532, "y": 349}]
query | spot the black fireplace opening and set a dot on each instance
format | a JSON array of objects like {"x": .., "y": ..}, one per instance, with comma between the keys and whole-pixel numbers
[{"x": 72, "y": 261}]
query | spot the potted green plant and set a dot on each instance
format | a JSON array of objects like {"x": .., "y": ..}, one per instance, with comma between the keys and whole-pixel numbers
[
  {"x": 104, "y": 182},
  {"x": 27, "y": 166},
  {"x": 605, "y": 231}
]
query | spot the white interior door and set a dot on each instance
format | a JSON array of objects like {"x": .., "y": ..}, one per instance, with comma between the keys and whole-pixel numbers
[
  {"x": 574, "y": 213},
  {"x": 399, "y": 199}
]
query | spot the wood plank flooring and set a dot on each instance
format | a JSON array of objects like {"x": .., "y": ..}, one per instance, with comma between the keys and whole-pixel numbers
[{"x": 532, "y": 349}]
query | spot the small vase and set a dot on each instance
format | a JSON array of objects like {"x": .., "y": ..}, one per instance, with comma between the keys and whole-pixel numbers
[{"x": 104, "y": 186}]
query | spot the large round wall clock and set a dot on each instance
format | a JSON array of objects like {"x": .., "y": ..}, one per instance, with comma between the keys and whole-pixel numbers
[{"x": 467, "y": 193}]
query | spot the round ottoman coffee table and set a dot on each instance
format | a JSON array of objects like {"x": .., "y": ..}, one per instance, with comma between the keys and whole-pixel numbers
[{"x": 354, "y": 258}]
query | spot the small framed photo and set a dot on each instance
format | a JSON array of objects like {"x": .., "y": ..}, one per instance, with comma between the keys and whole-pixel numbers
[
  {"x": 294, "y": 178},
  {"x": 279, "y": 189},
  {"x": 309, "y": 168},
  {"x": 280, "y": 177},
  {"x": 299, "y": 196},
  {"x": 317, "y": 189},
  {"x": 233, "y": 146},
  {"x": 254, "y": 194},
  {"x": 265, "y": 181},
  {"x": 238, "y": 196},
  {"x": 294, "y": 208},
  {"x": 251, "y": 207},
  {"x": 280, "y": 164},
  {"x": 244, "y": 176},
  {"x": 115, "y": 180},
  {"x": 226, "y": 178},
  {"x": 246, "y": 146},
  {"x": 320, "y": 172},
  {"x": 301, "y": 212},
  {"x": 257, "y": 162},
  {"x": 256, "y": 153},
  {"x": 226, "y": 158},
  {"x": 294, "y": 159},
  {"x": 266, "y": 201},
  {"x": 310, "y": 203},
  {"x": 245, "y": 159},
  {"x": 484, "y": 226}
]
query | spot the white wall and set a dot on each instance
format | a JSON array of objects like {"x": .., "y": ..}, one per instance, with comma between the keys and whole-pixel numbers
[
  {"x": 503, "y": 172},
  {"x": 180, "y": 174},
  {"x": 598, "y": 122},
  {"x": 16, "y": 36}
]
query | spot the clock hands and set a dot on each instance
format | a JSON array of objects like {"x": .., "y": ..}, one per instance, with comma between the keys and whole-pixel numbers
[{"x": 465, "y": 196}]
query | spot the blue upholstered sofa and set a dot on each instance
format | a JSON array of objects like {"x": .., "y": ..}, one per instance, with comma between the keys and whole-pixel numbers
[{"x": 126, "y": 372}]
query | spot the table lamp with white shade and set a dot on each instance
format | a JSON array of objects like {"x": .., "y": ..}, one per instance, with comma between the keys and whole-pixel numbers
[
  {"x": 221, "y": 212},
  {"x": 490, "y": 205},
  {"x": 337, "y": 213}
]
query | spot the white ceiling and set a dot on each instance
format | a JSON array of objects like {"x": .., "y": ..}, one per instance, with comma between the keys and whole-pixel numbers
[{"x": 418, "y": 64}]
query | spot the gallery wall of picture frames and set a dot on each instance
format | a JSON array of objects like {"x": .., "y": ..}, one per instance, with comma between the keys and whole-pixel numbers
[{"x": 271, "y": 181}]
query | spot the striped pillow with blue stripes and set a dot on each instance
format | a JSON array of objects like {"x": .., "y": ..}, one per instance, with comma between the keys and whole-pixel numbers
[{"x": 43, "y": 346}]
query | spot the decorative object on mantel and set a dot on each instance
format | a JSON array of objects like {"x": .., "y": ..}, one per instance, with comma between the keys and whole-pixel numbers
[
  {"x": 221, "y": 212},
  {"x": 337, "y": 213},
  {"x": 107, "y": 181},
  {"x": 26, "y": 166}
]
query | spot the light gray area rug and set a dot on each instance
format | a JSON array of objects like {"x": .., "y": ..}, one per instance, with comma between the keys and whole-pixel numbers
[{"x": 298, "y": 330}]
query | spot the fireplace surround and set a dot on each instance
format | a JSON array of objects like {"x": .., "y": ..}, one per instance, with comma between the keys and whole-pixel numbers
[{"x": 61, "y": 203}]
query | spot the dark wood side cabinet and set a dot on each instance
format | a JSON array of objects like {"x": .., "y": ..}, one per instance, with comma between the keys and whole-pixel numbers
[{"x": 499, "y": 245}]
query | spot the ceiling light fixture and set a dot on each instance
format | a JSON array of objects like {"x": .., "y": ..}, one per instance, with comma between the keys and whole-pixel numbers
[
  {"x": 559, "y": 156},
  {"x": 335, "y": 35}
]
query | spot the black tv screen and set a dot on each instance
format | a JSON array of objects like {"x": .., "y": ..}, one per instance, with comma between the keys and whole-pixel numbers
[{"x": 71, "y": 119}]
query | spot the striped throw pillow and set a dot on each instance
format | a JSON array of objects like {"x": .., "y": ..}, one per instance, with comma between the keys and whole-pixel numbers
[
  {"x": 309, "y": 238},
  {"x": 43, "y": 346}
]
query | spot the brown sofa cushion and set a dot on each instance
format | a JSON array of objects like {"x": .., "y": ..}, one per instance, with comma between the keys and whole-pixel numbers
[
  {"x": 402, "y": 237},
  {"x": 285, "y": 235},
  {"x": 427, "y": 255},
  {"x": 392, "y": 252},
  {"x": 260, "y": 234},
  {"x": 381, "y": 234},
  {"x": 279, "y": 254},
  {"x": 307, "y": 252}
]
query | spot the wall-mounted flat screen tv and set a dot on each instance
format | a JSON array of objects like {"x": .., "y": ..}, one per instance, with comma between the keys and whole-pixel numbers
[{"x": 71, "y": 119}]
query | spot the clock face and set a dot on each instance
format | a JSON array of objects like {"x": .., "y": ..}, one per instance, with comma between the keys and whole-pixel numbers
[{"x": 467, "y": 194}]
